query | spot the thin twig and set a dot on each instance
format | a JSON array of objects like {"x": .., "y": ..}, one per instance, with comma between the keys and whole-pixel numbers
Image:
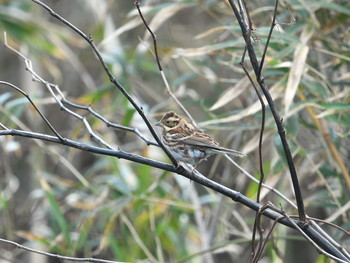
[
  {"x": 110, "y": 75},
  {"x": 261, "y": 134},
  {"x": 154, "y": 37},
  {"x": 137, "y": 4},
  {"x": 262, "y": 245},
  {"x": 51, "y": 87},
  {"x": 256, "y": 226},
  {"x": 107, "y": 122},
  {"x": 273, "y": 24},
  {"x": 56, "y": 255},
  {"x": 36, "y": 109},
  {"x": 27, "y": 96}
]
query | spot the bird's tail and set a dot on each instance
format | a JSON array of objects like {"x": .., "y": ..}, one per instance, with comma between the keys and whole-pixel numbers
[{"x": 229, "y": 151}]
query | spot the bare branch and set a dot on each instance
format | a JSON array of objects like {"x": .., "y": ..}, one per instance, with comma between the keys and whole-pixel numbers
[
  {"x": 277, "y": 118},
  {"x": 110, "y": 75},
  {"x": 56, "y": 255}
]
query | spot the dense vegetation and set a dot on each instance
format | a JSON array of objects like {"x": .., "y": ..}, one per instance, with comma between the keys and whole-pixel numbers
[{"x": 80, "y": 204}]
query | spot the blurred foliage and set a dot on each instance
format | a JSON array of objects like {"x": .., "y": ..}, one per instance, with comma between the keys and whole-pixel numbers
[{"x": 130, "y": 212}]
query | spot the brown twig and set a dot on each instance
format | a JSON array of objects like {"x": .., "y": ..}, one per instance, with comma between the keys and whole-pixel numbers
[
  {"x": 261, "y": 134},
  {"x": 263, "y": 241},
  {"x": 154, "y": 37},
  {"x": 273, "y": 24},
  {"x": 257, "y": 226}
]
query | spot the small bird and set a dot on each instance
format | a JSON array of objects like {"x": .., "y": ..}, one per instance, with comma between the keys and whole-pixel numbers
[{"x": 187, "y": 143}]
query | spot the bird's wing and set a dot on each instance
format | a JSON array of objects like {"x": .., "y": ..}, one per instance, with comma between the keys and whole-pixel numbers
[
  {"x": 201, "y": 139},
  {"x": 197, "y": 138}
]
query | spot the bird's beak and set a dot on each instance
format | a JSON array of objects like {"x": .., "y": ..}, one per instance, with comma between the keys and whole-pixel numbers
[{"x": 159, "y": 124}]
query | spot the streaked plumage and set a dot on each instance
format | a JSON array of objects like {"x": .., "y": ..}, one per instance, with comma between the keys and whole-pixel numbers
[{"x": 187, "y": 143}]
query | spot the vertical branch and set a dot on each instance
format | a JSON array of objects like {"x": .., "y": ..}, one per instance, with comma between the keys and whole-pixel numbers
[
  {"x": 263, "y": 112},
  {"x": 268, "y": 39},
  {"x": 263, "y": 243},
  {"x": 154, "y": 37},
  {"x": 261, "y": 169},
  {"x": 277, "y": 118}
]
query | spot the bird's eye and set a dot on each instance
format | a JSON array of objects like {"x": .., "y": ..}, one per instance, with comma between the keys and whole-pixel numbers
[{"x": 168, "y": 122}]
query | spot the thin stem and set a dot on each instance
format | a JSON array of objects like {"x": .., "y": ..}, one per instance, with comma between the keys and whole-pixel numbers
[
  {"x": 273, "y": 24},
  {"x": 154, "y": 37},
  {"x": 261, "y": 135}
]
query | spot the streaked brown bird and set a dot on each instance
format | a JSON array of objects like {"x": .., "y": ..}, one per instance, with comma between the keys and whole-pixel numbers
[{"x": 187, "y": 143}]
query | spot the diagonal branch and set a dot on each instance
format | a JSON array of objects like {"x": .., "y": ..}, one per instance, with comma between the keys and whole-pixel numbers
[{"x": 110, "y": 75}]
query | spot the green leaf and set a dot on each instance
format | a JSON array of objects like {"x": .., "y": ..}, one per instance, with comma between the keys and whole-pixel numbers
[
  {"x": 292, "y": 125},
  {"x": 59, "y": 218},
  {"x": 84, "y": 232},
  {"x": 340, "y": 119},
  {"x": 315, "y": 87},
  {"x": 333, "y": 6},
  {"x": 335, "y": 105},
  {"x": 128, "y": 116},
  {"x": 279, "y": 147}
]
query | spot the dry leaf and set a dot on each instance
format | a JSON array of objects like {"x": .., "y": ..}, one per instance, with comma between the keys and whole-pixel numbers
[
  {"x": 231, "y": 94},
  {"x": 297, "y": 68}
]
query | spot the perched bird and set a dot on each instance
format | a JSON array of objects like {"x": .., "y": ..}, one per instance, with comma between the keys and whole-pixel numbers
[{"x": 187, "y": 143}]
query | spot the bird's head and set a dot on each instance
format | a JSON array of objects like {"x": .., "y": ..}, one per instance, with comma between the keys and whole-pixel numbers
[{"x": 170, "y": 121}]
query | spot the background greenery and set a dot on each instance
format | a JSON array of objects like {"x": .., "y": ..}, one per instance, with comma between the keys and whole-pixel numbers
[{"x": 129, "y": 212}]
